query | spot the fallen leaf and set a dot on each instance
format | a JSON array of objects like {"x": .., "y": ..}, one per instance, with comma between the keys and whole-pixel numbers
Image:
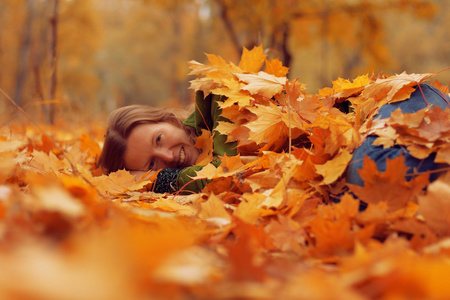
[{"x": 263, "y": 83}]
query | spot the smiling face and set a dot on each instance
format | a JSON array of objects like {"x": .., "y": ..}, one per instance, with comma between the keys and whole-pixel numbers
[{"x": 154, "y": 146}]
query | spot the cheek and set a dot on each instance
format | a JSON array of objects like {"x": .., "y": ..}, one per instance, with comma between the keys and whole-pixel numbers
[
  {"x": 185, "y": 138},
  {"x": 193, "y": 154}
]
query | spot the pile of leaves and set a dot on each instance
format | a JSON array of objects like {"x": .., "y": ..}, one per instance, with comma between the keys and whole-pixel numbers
[{"x": 277, "y": 221}]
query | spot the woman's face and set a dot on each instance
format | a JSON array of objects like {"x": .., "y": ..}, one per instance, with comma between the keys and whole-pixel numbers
[{"x": 155, "y": 146}]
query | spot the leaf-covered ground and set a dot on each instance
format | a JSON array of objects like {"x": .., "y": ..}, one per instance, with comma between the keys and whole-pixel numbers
[{"x": 266, "y": 227}]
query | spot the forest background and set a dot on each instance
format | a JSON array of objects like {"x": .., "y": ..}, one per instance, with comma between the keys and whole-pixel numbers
[
  {"x": 76, "y": 60},
  {"x": 260, "y": 230}
]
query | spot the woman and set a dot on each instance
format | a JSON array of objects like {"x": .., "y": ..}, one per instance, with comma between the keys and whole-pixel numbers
[{"x": 141, "y": 138}]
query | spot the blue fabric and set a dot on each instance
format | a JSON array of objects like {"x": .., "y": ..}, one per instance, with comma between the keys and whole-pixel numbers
[{"x": 376, "y": 153}]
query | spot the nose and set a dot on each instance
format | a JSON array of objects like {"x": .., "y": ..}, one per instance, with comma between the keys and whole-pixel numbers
[{"x": 166, "y": 156}]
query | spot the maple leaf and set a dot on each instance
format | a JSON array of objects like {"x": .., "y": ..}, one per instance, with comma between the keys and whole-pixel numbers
[
  {"x": 229, "y": 129},
  {"x": 285, "y": 233},
  {"x": 332, "y": 237},
  {"x": 228, "y": 167},
  {"x": 305, "y": 171},
  {"x": 443, "y": 88},
  {"x": 249, "y": 210},
  {"x": 57, "y": 199},
  {"x": 11, "y": 145},
  {"x": 203, "y": 84},
  {"x": 394, "y": 88},
  {"x": 243, "y": 253},
  {"x": 422, "y": 132},
  {"x": 89, "y": 145},
  {"x": 378, "y": 185},
  {"x": 435, "y": 208},
  {"x": 170, "y": 205},
  {"x": 343, "y": 88},
  {"x": 43, "y": 162},
  {"x": 272, "y": 121},
  {"x": 386, "y": 137},
  {"x": 213, "y": 210},
  {"x": 334, "y": 168},
  {"x": 205, "y": 143},
  {"x": 215, "y": 74},
  {"x": 263, "y": 83},
  {"x": 308, "y": 107},
  {"x": 219, "y": 63},
  {"x": 199, "y": 68},
  {"x": 275, "y": 67},
  {"x": 252, "y": 61},
  {"x": 278, "y": 196},
  {"x": 232, "y": 90},
  {"x": 118, "y": 182},
  {"x": 443, "y": 154},
  {"x": 268, "y": 124}
]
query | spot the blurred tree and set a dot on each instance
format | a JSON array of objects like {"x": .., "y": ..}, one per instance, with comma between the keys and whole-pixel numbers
[
  {"x": 34, "y": 39},
  {"x": 421, "y": 46},
  {"x": 115, "y": 52},
  {"x": 157, "y": 38},
  {"x": 356, "y": 29},
  {"x": 24, "y": 53},
  {"x": 80, "y": 37},
  {"x": 12, "y": 16}
]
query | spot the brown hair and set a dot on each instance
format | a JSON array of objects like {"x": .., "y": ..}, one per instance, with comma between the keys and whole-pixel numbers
[{"x": 120, "y": 124}]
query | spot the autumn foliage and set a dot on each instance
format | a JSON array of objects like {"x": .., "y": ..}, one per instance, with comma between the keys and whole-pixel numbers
[{"x": 277, "y": 221}]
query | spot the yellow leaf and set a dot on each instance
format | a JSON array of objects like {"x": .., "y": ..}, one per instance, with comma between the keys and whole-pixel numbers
[
  {"x": 232, "y": 90},
  {"x": 275, "y": 67},
  {"x": 269, "y": 124},
  {"x": 263, "y": 84},
  {"x": 334, "y": 168},
  {"x": 346, "y": 85},
  {"x": 435, "y": 207},
  {"x": 205, "y": 143},
  {"x": 213, "y": 209},
  {"x": 395, "y": 88},
  {"x": 252, "y": 61}
]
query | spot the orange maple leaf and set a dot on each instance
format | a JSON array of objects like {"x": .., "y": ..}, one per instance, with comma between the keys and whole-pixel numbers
[
  {"x": 286, "y": 234},
  {"x": 120, "y": 181},
  {"x": 275, "y": 67},
  {"x": 232, "y": 90},
  {"x": 394, "y": 88},
  {"x": 205, "y": 143},
  {"x": 435, "y": 208},
  {"x": 332, "y": 229},
  {"x": 343, "y": 88},
  {"x": 389, "y": 186},
  {"x": 214, "y": 211},
  {"x": 443, "y": 88},
  {"x": 243, "y": 253},
  {"x": 228, "y": 167},
  {"x": 252, "y": 61},
  {"x": 334, "y": 168},
  {"x": 90, "y": 146},
  {"x": 264, "y": 84}
]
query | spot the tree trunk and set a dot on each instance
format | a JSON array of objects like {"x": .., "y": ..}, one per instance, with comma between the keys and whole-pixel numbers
[
  {"x": 175, "y": 50},
  {"x": 287, "y": 56},
  {"x": 229, "y": 26},
  {"x": 24, "y": 55},
  {"x": 54, "y": 61}
]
